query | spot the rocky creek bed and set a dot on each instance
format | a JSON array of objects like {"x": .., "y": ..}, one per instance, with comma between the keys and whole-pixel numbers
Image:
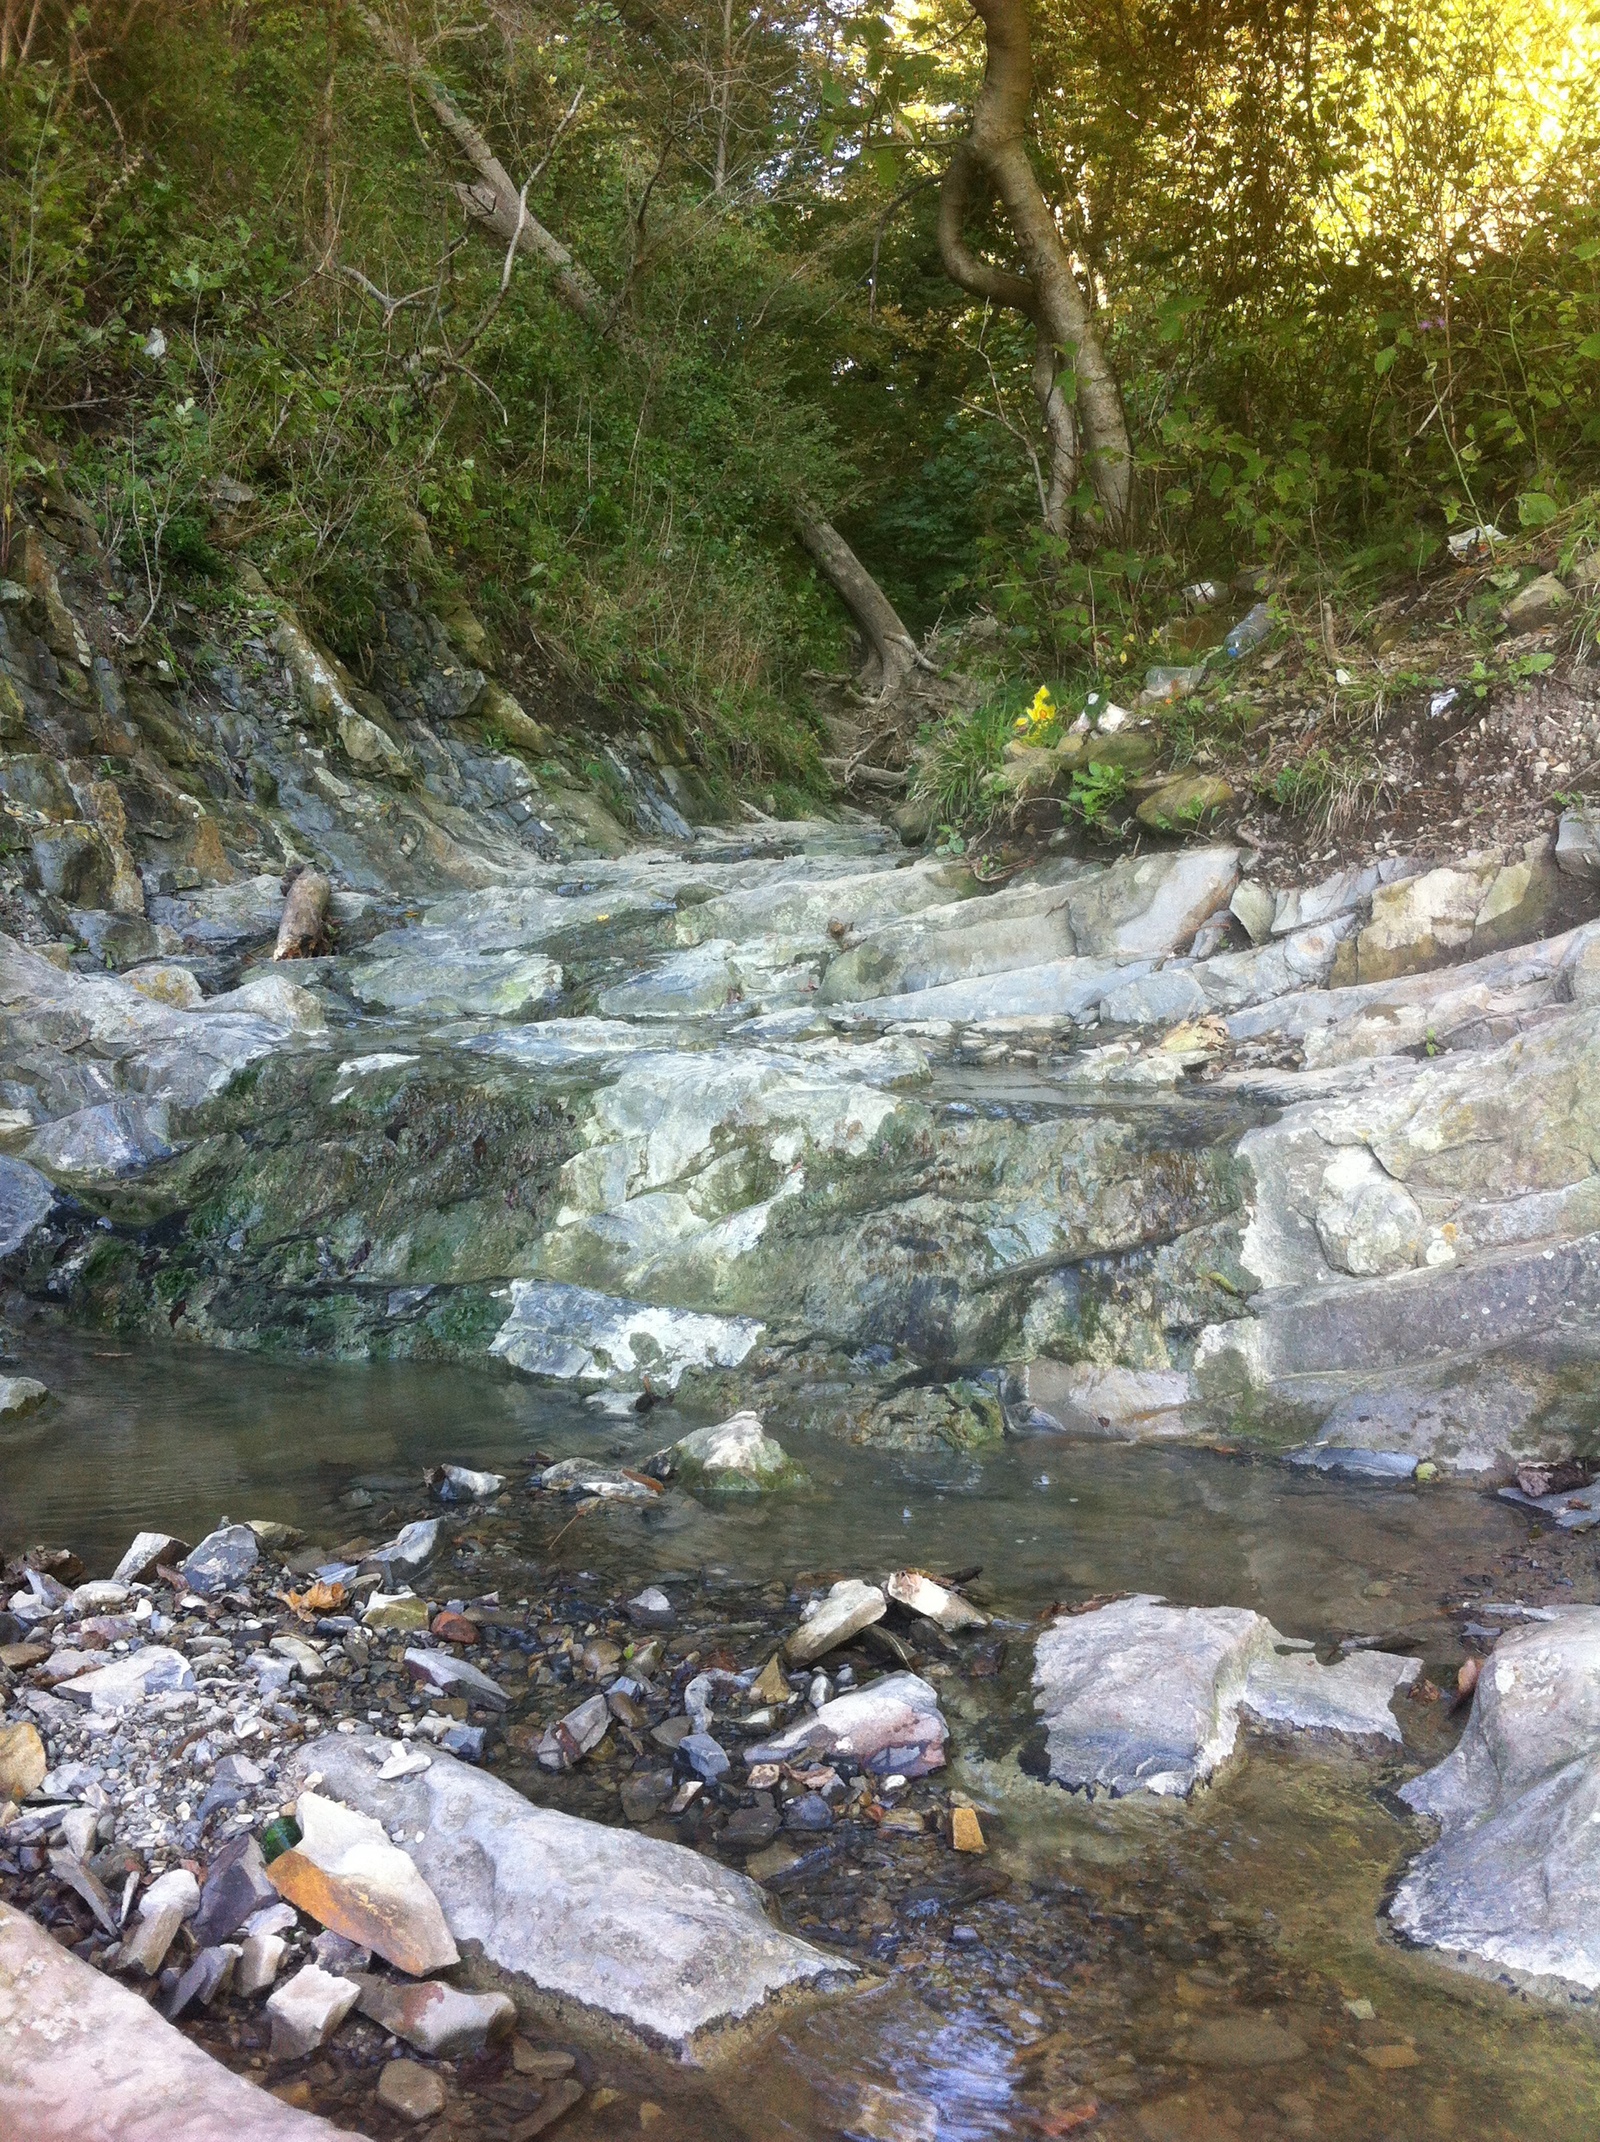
[
  {"x": 1212, "y": 1263},
  {"x": 972, "y": 1950}
]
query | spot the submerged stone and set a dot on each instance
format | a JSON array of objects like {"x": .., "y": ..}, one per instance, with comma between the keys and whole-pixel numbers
[
  {"x": 645, "y": 1933},
  {"x": 573, "y": 1334},
  {"x": 1142, "y": 1696},
  {"x": 845, "y": 1611},
  {"x": 893, "y": 1726}
]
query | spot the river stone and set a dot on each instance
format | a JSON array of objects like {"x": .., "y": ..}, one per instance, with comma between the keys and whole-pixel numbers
[
  {"x": 454, "y": 1676},
  {"x": 164, "y": 984},
  {"x": 894, "y": 1725},
  {"x": 236, "y": 1887},
  {"x": 1513, "y": 1884},
  {"x": 1255, "y": 908},
  {"x": 437, "y": 2019},
  {"x": 148, "y": 1552},
  {"x": 223, "y": 1559},
  {"x": 112, "y": 1138},
  {"x": 737, "y": 1455},
  {"x": 573, "y": 1334},
  {"x": 799, "y": 907},
  {"x": 459, "y": 1483},
  {"x": 85, "y": 2056},
  {"x": 1419, "y": 923},
  {"x": 22, "y": 1760},
  {"x": 1577, "y": 845},
  {"x": 1017, "y": 927},
  {"x": 845, "y": 1611},
  {"x": 154, "y": 1670},
  {"x": 306, "y": 2011},
  {"x": 176, "y": 1888},
  {"x": 345, "y": 1874},
  {"x": 414, "y": 2092},
  {"x": 644, "y": 1932},
  {"x": 1147, "y": 906},
  {"x": 396, "y": 1610},
  {"x": 260, "y": 1959},
  {"x": 21, "y": 1394},
  {"x": 1084, "y": 1398},
  {"x": 1142, "y": 1696},
  {"x": 409, "y": 1552},
  {"x": 1353, "y": 1697},
  {"x": 144, "y": 1949},
  {"x": 921, "y": 1594},
  {"x": 26, "y": 1197},
  {"x": 1164, "y": 998},
  {"x": 273, "y": 996}
]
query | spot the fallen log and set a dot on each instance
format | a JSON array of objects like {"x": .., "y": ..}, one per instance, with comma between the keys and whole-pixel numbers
[{"x": 303, "y": 931}]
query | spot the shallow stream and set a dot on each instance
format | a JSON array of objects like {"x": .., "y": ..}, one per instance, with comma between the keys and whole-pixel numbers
[{"x": 1171, "y": 1974}]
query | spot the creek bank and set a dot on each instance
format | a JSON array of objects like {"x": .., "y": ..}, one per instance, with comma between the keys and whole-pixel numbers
[{"x": 1202, "y": 1197}]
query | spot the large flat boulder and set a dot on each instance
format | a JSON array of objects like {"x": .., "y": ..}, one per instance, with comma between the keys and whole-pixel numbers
[
  {"x": 575, "y": 1335},
  {"x": 799, "y": 905},
  {"x": 1512, "y": 1885},
  {"x": 569, "y": 1915},
  {"x": 1143, "y": 1696},
  {"x": 495, "y": 985},
  {"x": 83, "y": 2058}
]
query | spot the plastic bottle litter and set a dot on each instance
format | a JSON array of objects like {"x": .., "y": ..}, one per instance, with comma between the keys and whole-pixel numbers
[{"x": 1254, "y": 627}]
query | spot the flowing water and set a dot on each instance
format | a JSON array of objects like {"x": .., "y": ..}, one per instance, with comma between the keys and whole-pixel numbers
[{"x": 1154, "y": 1973}]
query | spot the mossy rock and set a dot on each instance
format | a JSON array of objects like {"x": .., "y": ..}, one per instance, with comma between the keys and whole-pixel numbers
[
  {"x": 736, "y": 1457},
  {"x": 1185, "y": 803}
]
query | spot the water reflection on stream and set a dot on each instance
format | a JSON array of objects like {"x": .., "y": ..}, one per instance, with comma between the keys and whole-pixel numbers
[{"x": 1184, "y": 1972}]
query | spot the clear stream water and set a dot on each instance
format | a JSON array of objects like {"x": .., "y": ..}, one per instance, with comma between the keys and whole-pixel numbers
[{"x": 1155, "y": 1965}]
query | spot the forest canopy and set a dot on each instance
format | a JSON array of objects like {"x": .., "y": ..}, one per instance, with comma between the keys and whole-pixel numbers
[{"x": 1342, "y": 263}]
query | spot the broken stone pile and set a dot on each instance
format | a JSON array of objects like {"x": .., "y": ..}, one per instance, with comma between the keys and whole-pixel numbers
[{"x": 227, "y": 1786}]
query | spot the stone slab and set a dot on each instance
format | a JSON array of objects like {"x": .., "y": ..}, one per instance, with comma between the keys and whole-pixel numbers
[
  {"x": 82, "y": 2058},
  {"x": 649, "y": 1935}
]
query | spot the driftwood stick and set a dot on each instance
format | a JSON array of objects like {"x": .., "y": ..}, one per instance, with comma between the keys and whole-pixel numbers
[{"x": 303, "y": 931}]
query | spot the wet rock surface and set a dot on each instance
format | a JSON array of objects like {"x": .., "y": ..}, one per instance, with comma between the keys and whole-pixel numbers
[
  {"x": 845, "y": 1199},
  {"x": 776, "y": 1121},
  {"x": 1143, "y": 1696},
  {"x": 1511, "y": 1885}
]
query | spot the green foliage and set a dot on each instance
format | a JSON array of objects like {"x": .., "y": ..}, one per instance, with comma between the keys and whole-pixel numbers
[
  {"x": 1347, "y": 264},
  {"x": 1097, "y": 790},
  {"x": 957, "y": 759}
]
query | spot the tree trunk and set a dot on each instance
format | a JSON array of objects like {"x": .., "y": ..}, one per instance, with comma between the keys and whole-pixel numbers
[
  {"x": 1089, "y": 421},
  {"x": 498, "y": 205},
  {"x": 892, "y": 656},
  {"x": 494, "y": 200}
]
